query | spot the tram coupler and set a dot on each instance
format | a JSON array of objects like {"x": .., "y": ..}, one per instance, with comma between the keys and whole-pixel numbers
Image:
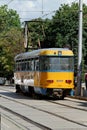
[{"x": 57, "y": 93}]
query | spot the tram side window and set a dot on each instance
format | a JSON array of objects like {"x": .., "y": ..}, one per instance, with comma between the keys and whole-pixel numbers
[
  {"x": 32, "y": 64},
  {"x": 28, "y": 65},
  {"x": 21, "y": 66},
  {"x": 17, "y": 66},
  {"x": 44, "y": 63},
  {"x": 24, "y": 65},
  {"x": 37, "y": 64}
]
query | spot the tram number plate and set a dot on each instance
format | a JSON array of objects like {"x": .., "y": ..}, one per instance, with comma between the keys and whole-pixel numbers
[{"x": 59, "y": 80}]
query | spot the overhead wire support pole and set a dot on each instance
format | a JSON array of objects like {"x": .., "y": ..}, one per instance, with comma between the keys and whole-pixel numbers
[
  {"x": 79, "y": 74},
  {"x": 26, "y": 37}
]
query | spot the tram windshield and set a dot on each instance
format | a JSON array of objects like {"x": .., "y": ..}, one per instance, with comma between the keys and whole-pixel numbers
[{"x": 53, "y": 63}]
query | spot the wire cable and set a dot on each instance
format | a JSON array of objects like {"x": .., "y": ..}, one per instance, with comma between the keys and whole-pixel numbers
[{"x": 9, "y": 2}]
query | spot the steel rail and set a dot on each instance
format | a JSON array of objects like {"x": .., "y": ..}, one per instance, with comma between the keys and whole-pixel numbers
[{"x": 57, "y": 115}]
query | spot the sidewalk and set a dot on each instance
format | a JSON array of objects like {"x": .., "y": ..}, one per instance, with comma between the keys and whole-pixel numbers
[{"x": 83, "y": 93}]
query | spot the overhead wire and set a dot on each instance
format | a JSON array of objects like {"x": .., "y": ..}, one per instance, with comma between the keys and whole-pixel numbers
[
  {"x": 9, "y": 2},
  {"x": 56, "y": 10},
  {"x": 42, "y": 10}
]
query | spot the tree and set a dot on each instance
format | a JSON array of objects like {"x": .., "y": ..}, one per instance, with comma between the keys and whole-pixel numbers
[{"x": 11, "y": 41}]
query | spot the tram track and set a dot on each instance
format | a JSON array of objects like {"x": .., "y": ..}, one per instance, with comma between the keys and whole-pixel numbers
[
  {"x": 41, "y": 126},
  {"x": 69, "y": 106},
  {"x": 37, "y": 124},
  {"x": 26, "y": 119},
  {"x": 48, "y": 112},
  {"x": 58, "y": 103}
]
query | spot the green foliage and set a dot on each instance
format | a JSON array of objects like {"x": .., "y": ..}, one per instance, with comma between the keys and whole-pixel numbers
[{"x": 11, "y": 41}]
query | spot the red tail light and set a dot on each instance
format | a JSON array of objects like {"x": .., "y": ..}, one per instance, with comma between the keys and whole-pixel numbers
[
  {"x": 68, "y": 81},
  {"x": 50, "y": 81}
]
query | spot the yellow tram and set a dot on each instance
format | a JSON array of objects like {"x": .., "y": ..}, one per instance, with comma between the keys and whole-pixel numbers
[{"x": 47, "y": 72}]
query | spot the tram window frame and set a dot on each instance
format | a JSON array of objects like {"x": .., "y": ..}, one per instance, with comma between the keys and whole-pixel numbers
[
  {"x": 29, "y": 64},
  {"x": 32, "y": 64},
  {"x": 43, "y": 65},
  {"x": 36, "y": 64},
  {"x": 22, "y": 65},
  {"x": 26, "y": 64},
  {"x": 17, "y": 66}
]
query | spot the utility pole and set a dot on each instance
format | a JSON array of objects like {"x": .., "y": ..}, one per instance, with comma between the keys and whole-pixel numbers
[
  {"x": 79, "y": 74},
  {"x": 26, "y": 37}
]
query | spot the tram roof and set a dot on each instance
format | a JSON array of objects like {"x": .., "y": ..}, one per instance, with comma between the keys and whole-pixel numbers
[{"x": 36, "y": 53}]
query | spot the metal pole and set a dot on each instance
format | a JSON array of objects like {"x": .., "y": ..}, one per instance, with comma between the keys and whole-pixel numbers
[
  {"x": 26, "y": 39},
  {"x": 80, "y": 49}
]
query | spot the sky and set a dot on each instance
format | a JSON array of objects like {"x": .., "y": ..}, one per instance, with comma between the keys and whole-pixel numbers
[{"x": 31, "y": 9}]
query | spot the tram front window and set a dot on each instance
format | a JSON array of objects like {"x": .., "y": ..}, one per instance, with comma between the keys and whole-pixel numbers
[{"x": 57, "y": 63}]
